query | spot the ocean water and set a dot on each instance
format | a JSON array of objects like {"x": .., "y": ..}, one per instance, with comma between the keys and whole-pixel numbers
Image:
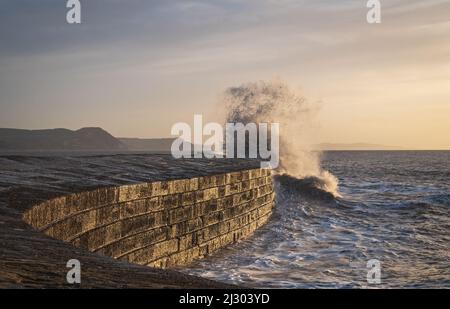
[{"x": 395, "y": 208}]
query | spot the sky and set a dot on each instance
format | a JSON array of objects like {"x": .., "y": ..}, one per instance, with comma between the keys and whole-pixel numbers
[{"x": 136, "y": 67}]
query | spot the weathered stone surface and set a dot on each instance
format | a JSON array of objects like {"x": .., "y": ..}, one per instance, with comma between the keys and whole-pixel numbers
[
  {"x": 162, "y": 223},
  {"x": 164, "y": 218}
]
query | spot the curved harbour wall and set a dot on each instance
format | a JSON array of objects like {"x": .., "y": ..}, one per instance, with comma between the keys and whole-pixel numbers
[{"x": 160, "y": 224}]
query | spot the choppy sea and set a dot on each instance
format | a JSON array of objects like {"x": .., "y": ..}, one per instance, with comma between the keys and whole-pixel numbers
[{"x": 394, "y": 209}]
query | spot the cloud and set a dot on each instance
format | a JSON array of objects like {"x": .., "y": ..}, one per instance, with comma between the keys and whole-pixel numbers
[{"x": 154, "y": 52}]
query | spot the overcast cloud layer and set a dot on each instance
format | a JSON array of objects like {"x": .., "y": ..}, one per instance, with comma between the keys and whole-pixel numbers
[{"x": 135, "y": 67}]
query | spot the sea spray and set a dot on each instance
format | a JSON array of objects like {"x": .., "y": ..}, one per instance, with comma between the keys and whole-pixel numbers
[{"x": 273, "y": 101}]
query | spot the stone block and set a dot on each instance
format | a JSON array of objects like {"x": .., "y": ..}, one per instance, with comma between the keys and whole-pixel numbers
[
  {"x": 185, "y": 242},
  {"x": 171, "y": 201},
  {"x": 135, "y": 225},
  {"x": 221, "y": 180},
  {"x": 212, "y": 218},
  {"x": 153, "y": 204},
  {"x": 88, "y": 220},
  {"x": 225, "y": 202},
  {"x": 193, "y": 184},
  {"x": 108, "y": 214},
  {"x": 232, "y": 188},
  {"x": 142, "y": 239},
  {"x": 178, "y": 186},
  {"x": 133, "y": 208},
  {"x": 211, "y": 193},
  {"x": 235, "y": 177},
  {"x": 188, "y": 198},
  {"x": 128, "y": 193},
  {"x": 207, "y": 182},
  {"x": 180, "y": 214},
  {"x": 147, "y": 254}
]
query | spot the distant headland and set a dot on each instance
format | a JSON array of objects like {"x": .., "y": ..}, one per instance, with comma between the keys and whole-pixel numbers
[{"x": 84, "y": 139}]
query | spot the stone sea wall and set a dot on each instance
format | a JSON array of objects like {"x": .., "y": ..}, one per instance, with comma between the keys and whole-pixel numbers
[{"x": 160, "y": 224}]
